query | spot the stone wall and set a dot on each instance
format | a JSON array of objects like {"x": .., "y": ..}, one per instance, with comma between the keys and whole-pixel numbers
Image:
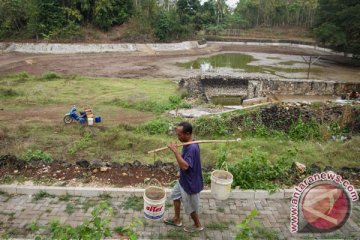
[{"x": 207, "y": 86}]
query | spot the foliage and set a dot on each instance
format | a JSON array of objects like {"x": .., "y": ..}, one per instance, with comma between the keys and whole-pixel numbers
[
  {"x": 211, "y": 126},
  {"x": 222, "y": 156},
  {"x": 304, "y": 130},
  {"x": 133, "y": 202},
  {"x": 41, "y": 195},
  {"x": 250, "y": 229},
  {"x": 37, "y": 155},
  {"x": 130, "y": 230},
  {"x": 247, "y": 226},
  {"x": 157, "y": 126},
  {"x": 50, "y": 76},
  {"x": 256, "y": 172},
  {"x": 8, "y": 92},
  {"x": 338, "y": 25},
  {"x": 108, "y": 13},
  {"x": 81, "y": 144}
]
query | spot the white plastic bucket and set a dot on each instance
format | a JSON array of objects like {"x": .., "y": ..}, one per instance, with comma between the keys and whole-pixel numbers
[
  {"x": 90, "y": 121},
  {"x": 154, "y": 202},
  {"x": 221, "y": 184}
]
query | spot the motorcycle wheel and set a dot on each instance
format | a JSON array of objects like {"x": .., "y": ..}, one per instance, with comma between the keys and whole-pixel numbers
[{"x": 68, "y": 119}]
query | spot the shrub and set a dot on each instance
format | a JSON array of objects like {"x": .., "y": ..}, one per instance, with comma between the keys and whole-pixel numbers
[
  {"x": 157, "y": 126},
  {"x": 37, "y": 155},
  {"x": 256, "y": 172},
  {"x": 8, "y": 93},
  {"x": 304, "y": 130},
  {"x": 211, "y": 126},
  {"x": 50, "y": 76}
]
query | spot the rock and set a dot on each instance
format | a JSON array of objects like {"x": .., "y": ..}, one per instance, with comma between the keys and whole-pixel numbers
[
  {"x": 83, "y": 163},
  {"x": 104, "y": 169},
  {"x": 16, "y": 171},
  {"x": 95, "y": 170},
  {"x": 36, "y": 163},
  {"x": 128, "y": 165},
  {"x": 96, "y": 164},
  {"x": 124, "y": 174},
  {"x": 115, "y": 165},
  {"x": 7, "y": 159},
  {"x": 20, "y": 164},
  {"x": 300, "y": 167},
  {"x": 158, "y": 164},
  {"x": 67, "y": 165},
  {"x": 137, "y": 163},
  {"x": 328, "y": 168},
  {"x": 314, "y": 168}
]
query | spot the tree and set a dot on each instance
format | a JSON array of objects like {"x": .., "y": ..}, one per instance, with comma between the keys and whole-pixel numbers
[{"x": 338, "y": 25}]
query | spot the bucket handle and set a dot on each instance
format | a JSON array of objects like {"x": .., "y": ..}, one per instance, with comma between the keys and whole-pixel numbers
[
  {"x": 156, "y": 181},
  {"x": 226, "y": 165}
]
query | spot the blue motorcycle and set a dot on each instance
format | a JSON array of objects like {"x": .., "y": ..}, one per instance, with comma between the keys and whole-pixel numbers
[{"x": 82, "y": 118}]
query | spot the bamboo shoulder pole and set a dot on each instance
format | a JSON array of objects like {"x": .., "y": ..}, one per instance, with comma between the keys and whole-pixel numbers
[{"x": 198, "y": 142}]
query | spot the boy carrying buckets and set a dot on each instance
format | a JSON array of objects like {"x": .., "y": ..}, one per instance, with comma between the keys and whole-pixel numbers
[{"x": 187, "y": 189}]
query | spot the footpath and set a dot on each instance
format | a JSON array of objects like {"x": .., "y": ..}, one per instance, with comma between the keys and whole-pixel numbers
[{"x": 21, "y": 206}]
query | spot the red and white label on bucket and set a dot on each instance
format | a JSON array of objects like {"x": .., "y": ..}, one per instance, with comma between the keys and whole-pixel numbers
[{"x": 154, "y": 212}]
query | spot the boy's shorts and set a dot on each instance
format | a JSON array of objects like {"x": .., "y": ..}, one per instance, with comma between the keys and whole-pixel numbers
[{"x": 191, "y": 202}]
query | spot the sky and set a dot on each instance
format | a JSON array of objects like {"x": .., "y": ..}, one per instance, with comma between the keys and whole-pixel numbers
[{"x": 230, "y": 3}]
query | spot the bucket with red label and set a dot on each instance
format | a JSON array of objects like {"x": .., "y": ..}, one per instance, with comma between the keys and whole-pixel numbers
[{"x": 154, "y": 201}]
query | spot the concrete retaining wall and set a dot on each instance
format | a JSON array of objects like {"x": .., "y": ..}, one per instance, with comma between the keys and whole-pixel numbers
[
  {"x": 209, "y": 86},
  {"x": 59, "y": 48}
]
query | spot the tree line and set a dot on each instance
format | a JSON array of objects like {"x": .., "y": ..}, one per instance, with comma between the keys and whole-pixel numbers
[{"x": 335, "y": 22}]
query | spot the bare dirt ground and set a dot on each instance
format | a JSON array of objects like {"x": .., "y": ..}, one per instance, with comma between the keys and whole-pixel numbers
[
  {"x": 155, "y": 64},
  {"x": 53, "y": 115}
]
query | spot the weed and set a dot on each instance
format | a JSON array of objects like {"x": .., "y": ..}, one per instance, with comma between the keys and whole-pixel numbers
[
  {"x": 33, "y": 227},
  {"x": 304, "y": 131},
  {"x": 105, "y": 196},
  {"x": 7, "y": 93},
  {"x": 247, "y": 226},
  {"x": 249, "y": 229},
  {"x": 70, "y": 208},
  {"x": 219, "y": 226},
  {"x": 65, "y": 198},
  {"x": 37, "y": 155},
  {"x": 95, "y": 228},
  {"x": 50, "y": 76},
  {"x": 81, "y": 144},
  {"x": 41, "y": 195},
  {"x": 176, "y": 234},
  {"x": 256, "y": 172},
  {"x": 7, "y": 178},
  {"x": 211, "y": 126},
  {"x": 88, "y": 204},
  {"x": 157, "y": 126},
  {"x": 133, "y": 202},
  {"x": 220, "y": 209},
  {"x": 130, "y": 230}
]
